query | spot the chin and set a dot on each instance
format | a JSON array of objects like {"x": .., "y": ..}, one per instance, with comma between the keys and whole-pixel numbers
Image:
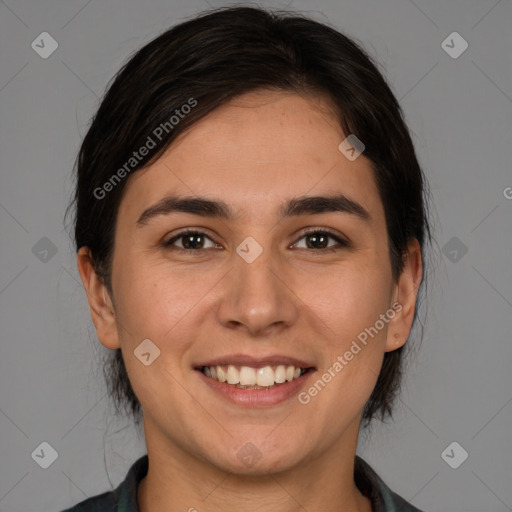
[{"x": 260, "y": 457}]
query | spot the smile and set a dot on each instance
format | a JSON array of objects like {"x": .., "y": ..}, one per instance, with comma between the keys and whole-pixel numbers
[{"x": 247, "y": 377}]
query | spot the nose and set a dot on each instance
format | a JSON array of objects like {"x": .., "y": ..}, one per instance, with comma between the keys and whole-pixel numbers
[{"x": 257, "y": 298}]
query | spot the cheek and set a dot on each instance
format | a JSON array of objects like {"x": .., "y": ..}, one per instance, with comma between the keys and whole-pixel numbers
[
  {"x": 347, "y": 307},
  {"x": 157, "y": 306},
  {"x": 345, "y": 300},
  {"x": 154, "y": 299}
]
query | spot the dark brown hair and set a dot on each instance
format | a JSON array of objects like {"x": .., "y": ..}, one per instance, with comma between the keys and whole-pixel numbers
[{"x": 212, "y": 59}]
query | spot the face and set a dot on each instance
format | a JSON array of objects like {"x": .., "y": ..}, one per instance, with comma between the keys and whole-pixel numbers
[{"x": 265, "y": 279}]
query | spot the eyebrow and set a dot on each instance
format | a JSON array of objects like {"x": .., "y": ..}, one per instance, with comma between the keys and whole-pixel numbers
[{"x": 308, "y": 205}]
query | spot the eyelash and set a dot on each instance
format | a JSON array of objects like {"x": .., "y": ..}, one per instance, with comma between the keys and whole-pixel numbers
[{"x": 341, "y": 242}]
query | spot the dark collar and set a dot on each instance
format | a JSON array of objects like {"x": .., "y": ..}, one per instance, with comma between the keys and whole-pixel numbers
[
  {"x": 382, "y": 498},
  {"x": 124, "y": 497}
]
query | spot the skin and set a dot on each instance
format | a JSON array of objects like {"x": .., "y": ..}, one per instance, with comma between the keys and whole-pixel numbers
[{"x": 254, "y": 153}]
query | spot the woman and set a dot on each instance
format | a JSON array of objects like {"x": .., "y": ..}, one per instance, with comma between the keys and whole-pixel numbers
[{"x": 250, "y": 228}]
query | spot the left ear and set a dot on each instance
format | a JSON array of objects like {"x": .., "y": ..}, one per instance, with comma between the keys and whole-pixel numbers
[{"x": 404, "y": 297}]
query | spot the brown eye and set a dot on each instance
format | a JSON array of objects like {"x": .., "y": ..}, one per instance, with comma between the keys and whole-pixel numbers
[
  {"x": 191, "y": 241},
  {"x": 317, "y": 241},
  {"x": 321, "y": 240}
]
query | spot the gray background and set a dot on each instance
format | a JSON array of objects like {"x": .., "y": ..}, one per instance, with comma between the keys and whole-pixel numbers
[{"x": 458, "y": 386}]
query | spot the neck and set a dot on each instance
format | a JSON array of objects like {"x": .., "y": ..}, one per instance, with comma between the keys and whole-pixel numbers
[{"x": 178, "y": 481}]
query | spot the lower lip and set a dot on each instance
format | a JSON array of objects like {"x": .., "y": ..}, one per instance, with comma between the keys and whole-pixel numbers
[{"x": 257, "y": 397}]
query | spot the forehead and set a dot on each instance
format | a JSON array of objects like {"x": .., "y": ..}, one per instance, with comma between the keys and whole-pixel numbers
[{"x": 255, "y": 152}]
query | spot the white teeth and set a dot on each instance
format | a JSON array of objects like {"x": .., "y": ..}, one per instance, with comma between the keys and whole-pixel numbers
[
  {"x": 281, "y": 374},
  {"x": 221, "y": 374},
  {"x": 246, "y": 376},
  {"x": 265, "y": 376},
  {"x": 233, "y": 375}
]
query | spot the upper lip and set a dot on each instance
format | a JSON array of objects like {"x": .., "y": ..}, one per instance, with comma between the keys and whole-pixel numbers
[{"x": 247, "y": 360}]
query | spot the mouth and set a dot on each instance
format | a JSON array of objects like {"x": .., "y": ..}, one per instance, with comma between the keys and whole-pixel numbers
[
  {"x": 248, "y": 377},
  {"x": 249, "y": 382}
]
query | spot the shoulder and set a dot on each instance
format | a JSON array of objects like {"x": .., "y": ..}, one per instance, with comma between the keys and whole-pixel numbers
[
  {"x": 382, "y": 497},
  {"x": 105, "y": 502},
  {"x": 121, "y": 499}
]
